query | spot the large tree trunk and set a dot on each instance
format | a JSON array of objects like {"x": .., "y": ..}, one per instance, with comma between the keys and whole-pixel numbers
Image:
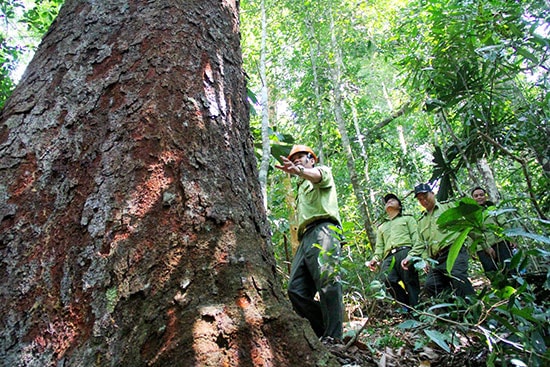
[{"x": 132, "y": 226}]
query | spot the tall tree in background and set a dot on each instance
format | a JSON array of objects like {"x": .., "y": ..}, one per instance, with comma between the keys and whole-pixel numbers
[
  {"x": 337, "y": 99},
  {"x": 264, "y": 102},
  {"x": 132, "y": 229}
]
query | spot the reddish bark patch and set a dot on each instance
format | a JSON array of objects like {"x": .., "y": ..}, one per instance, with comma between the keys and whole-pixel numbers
[
  {"x": 61, "y": 334},
  {"x": 4, "y": 133},
  {"x": 243, "y": 301},
  {"x": 103, "y": 68},
  {"x": 112, "y": 98},
  {"x": 25, "y": 176},
  {"x": 61, "y": 117}
]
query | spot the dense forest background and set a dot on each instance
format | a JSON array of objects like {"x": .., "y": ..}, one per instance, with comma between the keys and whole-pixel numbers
[{"x": 391, "y": 94}]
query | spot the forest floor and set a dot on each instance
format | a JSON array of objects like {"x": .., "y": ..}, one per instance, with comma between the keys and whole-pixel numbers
[{"x": 383, "y": 343}]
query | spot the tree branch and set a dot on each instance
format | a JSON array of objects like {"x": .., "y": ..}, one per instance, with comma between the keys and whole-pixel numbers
[{"x": 393, "y": 116}]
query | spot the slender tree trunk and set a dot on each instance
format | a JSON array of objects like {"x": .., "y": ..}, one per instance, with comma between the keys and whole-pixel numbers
[
  {"x": 488, "y": 179},
  {"x": 365, "y": 158},
  {"x": 317, "y": 90},
  {"x": 402, "y": 141},
  {"x": 132, "y": 230},
  {"x": 338, "y": 113},
  {"x": 293, "y": 220},
  {"x": 266, "y": 147}
]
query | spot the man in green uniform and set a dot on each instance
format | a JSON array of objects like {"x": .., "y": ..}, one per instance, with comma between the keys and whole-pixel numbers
[
  {"x": 492, "y": 250},
  {"x": 314, "y": 266},
  {"x": 394, "y": 239},
  {"x": 438, "y": 243}
]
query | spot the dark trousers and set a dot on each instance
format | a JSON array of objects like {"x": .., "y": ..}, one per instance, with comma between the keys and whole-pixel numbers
[
  {"x": 503, "y": 252},
  {"x": 313, "y": 271},
  {"x": 392, "y": 273},
  {"x": 438, "y": 280}
]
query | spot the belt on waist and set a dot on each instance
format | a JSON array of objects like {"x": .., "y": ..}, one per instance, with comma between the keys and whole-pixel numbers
[
  {"x": 397, "y": 249},
  {"x": 319, "y": 221}
]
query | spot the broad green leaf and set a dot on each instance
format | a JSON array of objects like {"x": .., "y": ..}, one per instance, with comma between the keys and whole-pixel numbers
[
  {"x": 526, "y": 54},
  {"x": 455, "y": 249},
  {"x": 278, "y": 150},
  {"x": 439, "y": 339},
  {"x": 537, "y": 340},
  {"x": 467, "y": 213},
  {"x": 409, "y": 324},
  {"x": 516, "y": 259},
  {"x": 526, "y": 313},
  {"x": 520, "y": 232},
  {"x": 506, "y": 292}
]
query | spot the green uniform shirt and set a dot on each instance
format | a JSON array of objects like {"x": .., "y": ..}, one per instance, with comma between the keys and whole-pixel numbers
[
  {"x": 317, "y": 201},
  {"x": 398, "y": 232},
  {"x": 434, "y": 238}
]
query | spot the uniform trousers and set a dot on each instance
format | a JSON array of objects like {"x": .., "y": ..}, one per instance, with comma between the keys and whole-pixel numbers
[
  {"x": 502, "y": 251},
  {"x": 392, "y": 273},
  {"x": 438, "y": 280},
  {"x": 314, "y": 270}
]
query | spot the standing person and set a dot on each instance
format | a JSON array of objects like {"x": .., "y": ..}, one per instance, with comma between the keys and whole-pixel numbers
[
  {"x": 314, "y": 266},
  {"x": 438, "y": 243},
  {"x": 492, "y": 251},
  {"x": 394, "y": 240}
]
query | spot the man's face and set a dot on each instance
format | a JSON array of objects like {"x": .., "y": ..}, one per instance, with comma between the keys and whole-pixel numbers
[
  {"x": 302, "y": 160},
  {"x": 392, "y": 203},
  {"x": 427, "y": 200},
  {"x": 479, "y": 196}
]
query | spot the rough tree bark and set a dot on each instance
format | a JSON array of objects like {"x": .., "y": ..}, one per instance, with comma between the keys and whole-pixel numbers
[{"x": 132, "y": 230}]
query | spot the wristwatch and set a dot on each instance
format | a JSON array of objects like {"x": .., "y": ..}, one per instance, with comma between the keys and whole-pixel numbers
[{"x": 301, "y": 171}]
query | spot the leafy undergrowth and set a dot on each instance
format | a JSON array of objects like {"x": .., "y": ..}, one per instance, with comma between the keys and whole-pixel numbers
[
  {"x": 488, "y": 330},
  {"x": 384, "y": 343}
]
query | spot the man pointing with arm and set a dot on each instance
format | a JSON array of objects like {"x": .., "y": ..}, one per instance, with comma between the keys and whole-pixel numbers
[{"x": 314, "y": 265}]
